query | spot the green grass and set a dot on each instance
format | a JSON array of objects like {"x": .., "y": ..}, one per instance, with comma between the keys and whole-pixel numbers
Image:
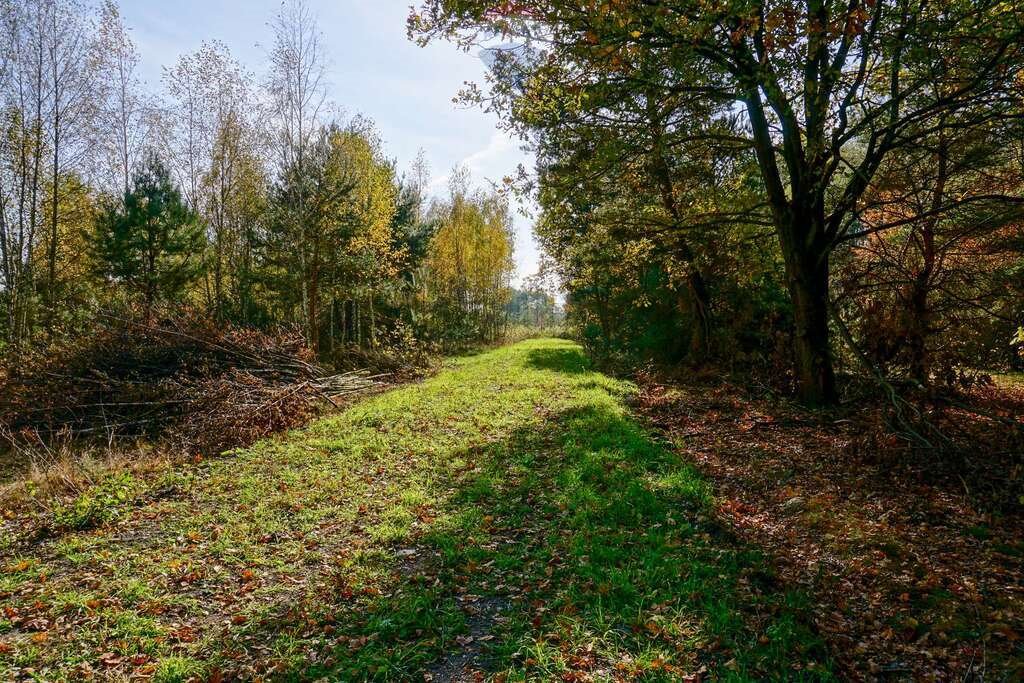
[{"x": 509, "y": 508}]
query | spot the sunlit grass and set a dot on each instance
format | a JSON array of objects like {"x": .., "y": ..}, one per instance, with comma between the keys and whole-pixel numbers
[
  {"x": 1009, "y": 380},
  {"x": 362, "y": 547}
]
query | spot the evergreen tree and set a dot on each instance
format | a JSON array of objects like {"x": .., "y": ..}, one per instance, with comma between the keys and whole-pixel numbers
[{"x": 153, "y": 245}]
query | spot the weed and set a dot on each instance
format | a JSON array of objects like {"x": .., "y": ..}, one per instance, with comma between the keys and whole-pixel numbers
[{"x": 98, "y": 505}]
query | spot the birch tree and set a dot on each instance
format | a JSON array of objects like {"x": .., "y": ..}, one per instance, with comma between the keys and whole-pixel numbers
[{"x": 125, "y": 125}]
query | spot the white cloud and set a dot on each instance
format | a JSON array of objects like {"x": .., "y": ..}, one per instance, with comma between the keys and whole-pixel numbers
[{"x": 488, "y": 164}]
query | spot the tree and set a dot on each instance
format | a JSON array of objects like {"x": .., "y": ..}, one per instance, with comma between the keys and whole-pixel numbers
[
  {"x": 413, "y": 228},
  {"x": 78, "y": 208},
  {"x": 215, "y": 141},
  {"x": 296, "y": 82},
  {"x": 469, "y": 265},
  {"x": 235, "y": 194},
  {"x": 25, "y": 104},
  {"x": 124, "y": 127},
  {"x": 153, "y": 245},
  {"x": 630, "y": 165},
  {"x": 298, "y": 96},
  {"x": 369, "y": 263},
  {"x": 534, "y": 304},
  {"x": 309, "y": 223},
  {"x": 827, "y": 89},
  {"x": 926, "y": 284}
]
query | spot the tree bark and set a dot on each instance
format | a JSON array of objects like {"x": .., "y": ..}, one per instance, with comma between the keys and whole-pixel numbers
[
  {"x": 700, "y": 317},
  {"x": 800, "y": 225},
  {"x": 919, "y": 324},
  {"x": 808, "y": 284},
  {"x": 312, "y": 312}
]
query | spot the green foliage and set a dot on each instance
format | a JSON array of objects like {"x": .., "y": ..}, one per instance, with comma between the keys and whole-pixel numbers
[
  {"x": 310, "y": 222},
  {"x": 274, "y": 217},
  {"x": 709, "y": 136},
  {"x": 101, "y": 504},
  {"x": 532, "y": 307},
  {"x": 152, "y": 243}
]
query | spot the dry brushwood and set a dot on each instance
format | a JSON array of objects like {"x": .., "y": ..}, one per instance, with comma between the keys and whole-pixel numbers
[{"x": 206, "y": 387}]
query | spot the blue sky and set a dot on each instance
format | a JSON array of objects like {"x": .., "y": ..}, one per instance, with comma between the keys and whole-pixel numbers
[{"x": 373, "y": 70}]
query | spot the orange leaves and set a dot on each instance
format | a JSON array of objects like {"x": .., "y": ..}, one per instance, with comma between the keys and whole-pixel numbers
[
  {"x": 183, "y": 634},
  {"x": 1006, "y": 632},
  {"x": 184, "y": 574},
  {"x": 111, "y": 660},
  {"x": 17, "y": 567},
  {"x": 899, "y": 556},
  {"x": 511, "y": 9},
  {"x": 856, "y": 20}
]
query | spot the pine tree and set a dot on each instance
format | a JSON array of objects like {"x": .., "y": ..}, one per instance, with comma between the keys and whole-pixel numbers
[{"x": 153, "y": 245}]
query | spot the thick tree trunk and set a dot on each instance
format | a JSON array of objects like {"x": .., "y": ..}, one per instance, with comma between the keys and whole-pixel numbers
[
  {"x": 693, "y": 306},
  {"x": 799, "y": 217},
  {"x": 809, "y": 288},
  {"x": 312, "y": 313},
  {"x": 700, "y": 320},
  {"x": 349, "y": 321},
  {"x": 919, "y": 325}
]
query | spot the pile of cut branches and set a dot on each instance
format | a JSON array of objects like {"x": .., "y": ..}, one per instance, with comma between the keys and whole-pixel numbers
[{"x": 200, "y": 385}]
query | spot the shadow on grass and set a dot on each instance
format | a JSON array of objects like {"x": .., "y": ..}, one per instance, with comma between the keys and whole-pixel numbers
[
  {"x": 570, "y": 361},
  {"x": 599, "y": 546}
]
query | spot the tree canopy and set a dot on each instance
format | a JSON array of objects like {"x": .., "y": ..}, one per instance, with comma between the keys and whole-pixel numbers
[{"x": 797, "y": 109}]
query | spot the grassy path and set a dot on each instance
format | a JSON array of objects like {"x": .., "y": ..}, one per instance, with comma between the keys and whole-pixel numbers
[{"x": 507, "y": 516}]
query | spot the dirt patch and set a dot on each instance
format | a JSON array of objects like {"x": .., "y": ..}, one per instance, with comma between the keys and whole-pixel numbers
[{"x": 465, "y": 660}]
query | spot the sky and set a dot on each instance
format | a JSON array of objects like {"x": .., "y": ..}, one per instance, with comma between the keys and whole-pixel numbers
[{"x": 373, "y": 70}]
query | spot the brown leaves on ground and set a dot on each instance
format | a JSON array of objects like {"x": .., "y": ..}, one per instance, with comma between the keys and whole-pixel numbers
[{"x": 911, "y": 559}]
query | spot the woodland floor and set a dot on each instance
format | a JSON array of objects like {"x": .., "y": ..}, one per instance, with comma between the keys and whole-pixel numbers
[
  {"x": 517, "y": 517},
  {"x": 912, "y": 561}
]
